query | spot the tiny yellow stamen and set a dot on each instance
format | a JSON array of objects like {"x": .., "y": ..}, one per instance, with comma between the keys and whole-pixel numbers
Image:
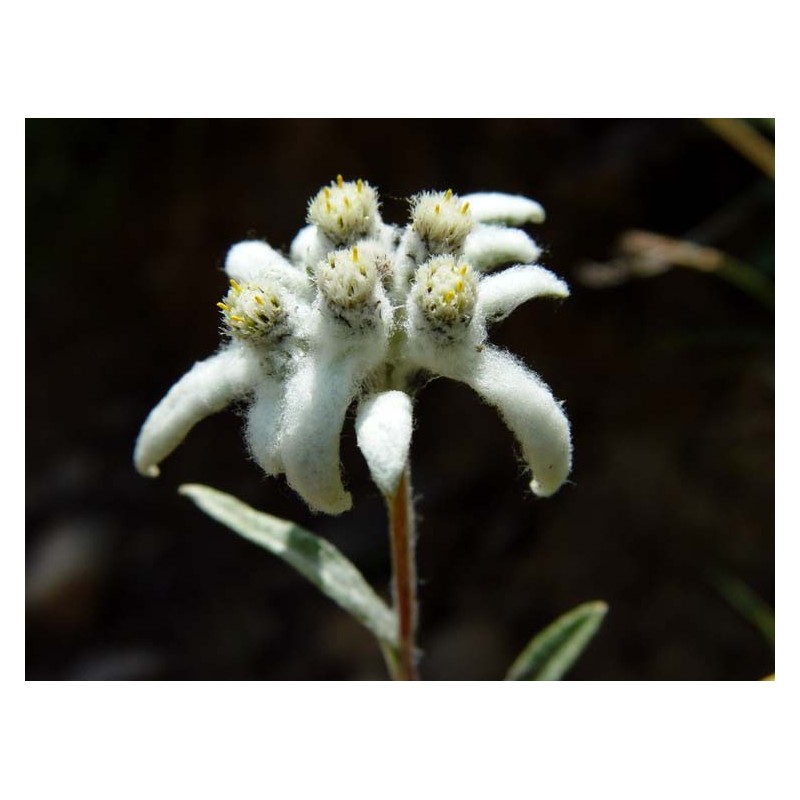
[
  {"x": 437, "y": 208},
  {"x": 449, "y": 295},
  {"x": 448, "y": 194},
  {"x": 460, "y": 286},
  {"x": 339, "y": 181},
  {"x": 222, "y": 306},
  {"x": 235, "y": 286},
  {"x": 462, "y": 270},
  {"x": 355, "y": 254},
  {"x": 236, "y": 318},
  {"x": 328, "y": 208},
  {"x": 327, "y": 192},
  {"x": 259, "y": 299},
  {"x": 347, "y": 201},
  {"x": 465, "y": 207},
  {"x": 359, "y": 185}
]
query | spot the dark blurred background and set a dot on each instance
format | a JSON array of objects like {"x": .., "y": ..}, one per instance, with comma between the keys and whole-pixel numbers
[{"x": 663, "y": 355}]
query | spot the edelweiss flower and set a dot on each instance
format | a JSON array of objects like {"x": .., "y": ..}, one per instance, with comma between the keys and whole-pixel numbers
[{"x": 356, "y": 312}]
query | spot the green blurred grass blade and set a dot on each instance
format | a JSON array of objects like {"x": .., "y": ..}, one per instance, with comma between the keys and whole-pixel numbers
[
  {"x": 552, "y": 652},
  {"x": 747, "y": 603},
  {"x": 311, "y": 556}
]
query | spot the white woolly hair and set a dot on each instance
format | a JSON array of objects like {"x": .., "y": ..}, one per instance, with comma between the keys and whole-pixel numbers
[
  {"x": 208, "y": 387},
  {"x": 345, "y": 211},
  {"x": 533, "y": 415},
  {"x": 508, "y": 209},
  {"x": 256, "y": 262},
  {"x": 264, "y": 425},
  {"x": 442, "y": 220},
  {"x": 383, "y": 432},
  {"x": 524, "y": 401},
  {"x": 489, "y": 246},
  {"x": 501, "y": 293},
  {"x": 317, "y": 398}
]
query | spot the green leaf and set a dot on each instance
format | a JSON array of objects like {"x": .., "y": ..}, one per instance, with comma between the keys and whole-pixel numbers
[
  {"x": 311, "y": 556},
  {"x": 553, "y": 651},
  {"x": 747, "y": 603}
]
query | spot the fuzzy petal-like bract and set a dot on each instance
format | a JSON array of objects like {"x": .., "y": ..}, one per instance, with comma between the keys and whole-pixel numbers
[
  {"x": 256, "y": 262},
  {"x": 207, "y": 388},
  {"x": 488, "y": 246},
  {"x": 501, "y": 293},
  {"x": 317, "y": 398},
  {"x": 509, "y": 209},
  {"x": 383, "y": 432},
  {"x": 529, "y": 409},
  {"x": 264, "y": 422}
]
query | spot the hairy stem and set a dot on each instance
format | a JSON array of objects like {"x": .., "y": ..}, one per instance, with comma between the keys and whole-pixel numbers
[{"x": 401, "y": 531}]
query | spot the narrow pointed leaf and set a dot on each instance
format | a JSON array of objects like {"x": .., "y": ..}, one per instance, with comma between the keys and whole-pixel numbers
[
  {"x": 552, "y": 652},
  {"x": 310, "y": 555},
  {"x": 747, "y": 603}
]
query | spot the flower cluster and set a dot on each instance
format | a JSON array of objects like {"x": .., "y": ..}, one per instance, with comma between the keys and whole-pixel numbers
[{"x": 355, "y": 312}]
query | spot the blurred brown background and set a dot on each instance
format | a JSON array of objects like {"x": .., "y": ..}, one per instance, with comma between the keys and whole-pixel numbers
[{"x": 668, "y": 380}]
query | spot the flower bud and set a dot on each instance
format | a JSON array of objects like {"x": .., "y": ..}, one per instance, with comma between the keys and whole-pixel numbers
[
  {"x": 345, "y": 212},
  {"x": 346, "y": 279},
  {"x": 441, "y": 220},
  {"x": 251, "y": 312},
  {"x": 445, "y": 290}
]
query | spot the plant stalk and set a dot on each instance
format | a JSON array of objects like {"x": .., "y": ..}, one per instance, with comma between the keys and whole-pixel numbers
[{"x": 401, "y": 531}]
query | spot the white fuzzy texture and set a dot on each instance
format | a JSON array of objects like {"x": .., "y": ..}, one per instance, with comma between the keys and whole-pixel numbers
[
  {"x": 346, "y": 348},
  {"x": 501, "y": 293},
  {"x": 510, "y": 209},
  {"x": 208, "y": 387},
  {"x": 488, "y": 246},
  {"x": 531, "y": 412},
  {"x": 410, "y": 253},
  {"x": 317, "y": 398},
  {"x": 363, "y": 305},
  {"x": 303, "y": 248},
  {"x": 264, "y": 425},
  {"x": 383, "y": 432},
  {"x": 256, "y": 262}
]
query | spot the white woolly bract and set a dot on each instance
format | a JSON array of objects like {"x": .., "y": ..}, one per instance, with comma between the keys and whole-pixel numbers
[
  {"x": 491, "y": 245},
  {"x": 510, "y": 209},
  {"x": 501, "y": 293},
  {"x": 410, "y": 253},
  {"x": 383, "y": 433},
  {"x": 533, "y": 415},
  {"x": 442, "y": 220},
  {"x": 208, "y": 387},
  {"x": 257, "y": 262},
  {"x": 264, "y": 425},
  {"x": 300, "y": 250},
  {"x": 317, "y": 398},
  {"x": 318, "y": 394}
]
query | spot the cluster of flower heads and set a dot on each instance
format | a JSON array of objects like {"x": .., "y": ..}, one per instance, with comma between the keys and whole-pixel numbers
[{"x": 357, "y": 310}]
